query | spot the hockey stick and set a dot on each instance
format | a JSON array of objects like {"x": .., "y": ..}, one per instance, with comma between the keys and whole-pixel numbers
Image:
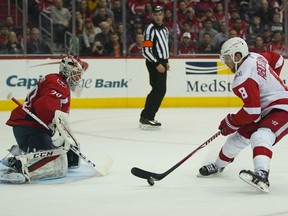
[
  {"x": 151, "y": 177},
  {"x": 73, "y": 148}
]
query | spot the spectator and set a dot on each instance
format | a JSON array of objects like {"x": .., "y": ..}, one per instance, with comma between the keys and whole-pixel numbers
[
  {"x": 233, "y": 16},
  {"x": 61, "y": 19},
  {"x": 205, "y": 45},
  {"x": 254, "y": 29},
  {"x": 277, "y": 44},
  {"x": 186, "y": 27},
  {"x": 117, "y": 11},
  {"x": 79, "y": 24},
  {"x": 232, "y": 33},
  {"x": 20, "y": 36},
  {"x": 4, "y": 31},
  {"x": 265, "y": 12},
  {"x": 84, "y": 10},
  {"x": 186, "y": 46},
  {"x": 114, "y": 47},
  {"x": 220, "y": 37},
  {"x": 119, "y": 29},
  {"x": 89, "y": 33},
  {"x": 219, "y": 12},
  {"x": 194, "y": 23},
  {"x": 136, "y": 47},
  {"x": 9, "y": 22},
  {"x": 277, "y": 24},
  {"x": 209, "y": 14},
  {"x": 132, "y": 32},
  {"x": 169, "y": 23},
  {"x": 181, "y": 12},
  {"x": 240, "y": 27},
  {"x": 103, "y": 4},
  {"x": 136, "y": 7},
  {"x": 92, "y": 5},
  {"x": 201, "y": 7},
  {"x": 35, "y": 45},
  {"x": 97, "y": 49},
  {"x": 147, "y": 14},
  {"x": 208, "y": 28},
  {"x": 104, "y": 35},
  {"x": 100, "y": 17},
  {"x": 244, "y": 11},
  {"x": 12, "y": 46},
  {"x": 258, "y": 45},
  {"x": 267, "y": 36}
]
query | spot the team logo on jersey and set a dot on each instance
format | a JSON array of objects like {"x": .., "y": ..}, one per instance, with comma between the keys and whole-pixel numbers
[
  {"x": 61, "y": 83},
  {"x": 202, "y": 68}
]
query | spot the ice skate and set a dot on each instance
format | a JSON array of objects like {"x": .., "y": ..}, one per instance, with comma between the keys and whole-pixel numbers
[
  {"x": 146, "y": 124},
  {"x": 257, "y": 179},
  {"x": 11, "y": 176},
  {"x": 209, "y": 169}
]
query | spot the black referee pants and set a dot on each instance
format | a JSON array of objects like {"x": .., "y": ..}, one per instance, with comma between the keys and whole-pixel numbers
[{"x": 158, "y": 83}]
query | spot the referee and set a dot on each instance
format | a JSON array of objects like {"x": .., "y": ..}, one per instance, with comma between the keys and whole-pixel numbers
[{"x": 156, "y": 52}]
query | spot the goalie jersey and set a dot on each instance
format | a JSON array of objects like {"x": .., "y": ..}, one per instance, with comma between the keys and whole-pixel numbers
[{"x": 50, "y": 94}]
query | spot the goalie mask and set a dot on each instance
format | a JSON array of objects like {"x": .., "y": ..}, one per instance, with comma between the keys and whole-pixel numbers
[{"x": 71, "y": 68}]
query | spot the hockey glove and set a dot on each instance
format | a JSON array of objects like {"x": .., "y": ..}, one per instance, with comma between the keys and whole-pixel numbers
[{"x": 227, "y": 125}]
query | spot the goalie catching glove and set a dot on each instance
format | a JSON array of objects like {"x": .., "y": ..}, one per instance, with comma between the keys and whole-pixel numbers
[
  {"x": 228, "y": 125},
  {"x": 61, "y": 131}
]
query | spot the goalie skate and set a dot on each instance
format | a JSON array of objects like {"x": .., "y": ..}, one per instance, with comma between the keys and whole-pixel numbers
[
  {"x": 255, "y": 180},
  {"x": 11, "y": 176}
]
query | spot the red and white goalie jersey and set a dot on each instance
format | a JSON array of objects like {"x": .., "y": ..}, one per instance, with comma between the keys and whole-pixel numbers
[
  {"x": 251, "y": 85},
  {"x": 50, "y": 94}
]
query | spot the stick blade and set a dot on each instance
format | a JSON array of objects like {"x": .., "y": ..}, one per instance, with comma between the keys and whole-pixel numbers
[
  {"x": 140, "y": 173},
  {"x": 106, "y": 166}
]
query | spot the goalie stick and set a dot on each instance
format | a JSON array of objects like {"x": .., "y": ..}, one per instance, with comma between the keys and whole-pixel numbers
[
  {"x": 151, "y": 177},
  {"x": 108, "y": 160}
]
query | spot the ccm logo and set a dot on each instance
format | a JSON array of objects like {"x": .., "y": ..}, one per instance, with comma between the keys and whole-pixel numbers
[{"x": 42, "y": 154}]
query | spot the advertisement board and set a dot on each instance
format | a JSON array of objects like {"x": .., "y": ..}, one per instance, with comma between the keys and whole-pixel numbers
[{"x": 121, "y": 82}]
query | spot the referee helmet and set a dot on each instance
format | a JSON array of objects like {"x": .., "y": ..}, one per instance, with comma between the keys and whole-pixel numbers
[{"x": 157, "y": 9}]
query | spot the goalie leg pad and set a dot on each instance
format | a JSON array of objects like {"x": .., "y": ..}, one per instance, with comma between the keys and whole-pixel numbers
[{"x": 43, "y": 165}]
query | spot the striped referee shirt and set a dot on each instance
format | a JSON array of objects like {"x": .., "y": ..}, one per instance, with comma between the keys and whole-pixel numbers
[{"x": 155, "y": 45}]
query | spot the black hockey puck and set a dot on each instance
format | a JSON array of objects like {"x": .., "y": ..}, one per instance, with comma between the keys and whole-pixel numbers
[{"x": 150, "y": 181}]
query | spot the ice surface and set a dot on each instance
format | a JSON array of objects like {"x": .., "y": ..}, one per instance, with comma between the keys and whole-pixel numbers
[{"x": 115, "y": 132}]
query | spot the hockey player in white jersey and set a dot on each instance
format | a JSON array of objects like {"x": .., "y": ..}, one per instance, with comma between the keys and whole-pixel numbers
[{"x": 261, "y": 122}]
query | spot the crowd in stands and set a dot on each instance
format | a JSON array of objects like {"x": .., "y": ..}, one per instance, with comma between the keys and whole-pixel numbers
[{"x": 200, "y": 27}]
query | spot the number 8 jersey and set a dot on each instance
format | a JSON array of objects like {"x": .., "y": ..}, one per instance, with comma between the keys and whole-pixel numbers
[{"x": 251, "y": 85}]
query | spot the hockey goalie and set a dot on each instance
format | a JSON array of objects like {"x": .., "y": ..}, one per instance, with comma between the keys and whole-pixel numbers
[{"x": 44, "y": 154}]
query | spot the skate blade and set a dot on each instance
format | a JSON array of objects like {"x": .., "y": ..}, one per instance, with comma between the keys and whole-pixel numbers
[
  {"x": 248, "y": 179},
  {"x": 208, "y": 176},
  {"x": 149, "y": 127}
]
